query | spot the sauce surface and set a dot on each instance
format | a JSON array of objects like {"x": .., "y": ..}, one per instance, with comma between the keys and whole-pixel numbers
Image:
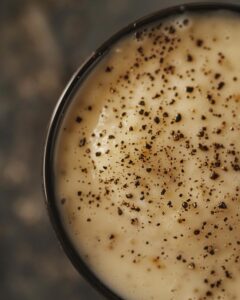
[{"x": 147, "y": 166}]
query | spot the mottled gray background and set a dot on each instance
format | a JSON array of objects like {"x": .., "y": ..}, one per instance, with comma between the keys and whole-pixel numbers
[{"x": 41, "y": 45}]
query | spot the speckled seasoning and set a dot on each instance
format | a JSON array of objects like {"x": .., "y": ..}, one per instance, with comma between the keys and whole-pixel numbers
[{"x": 148, "y": 162}]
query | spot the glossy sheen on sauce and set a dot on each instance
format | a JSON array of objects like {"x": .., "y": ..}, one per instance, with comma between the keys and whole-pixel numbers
[{"x": 148, "y": 162}]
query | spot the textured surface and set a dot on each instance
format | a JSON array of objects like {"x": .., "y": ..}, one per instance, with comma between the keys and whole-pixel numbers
[{"x": 42, "y": 44}]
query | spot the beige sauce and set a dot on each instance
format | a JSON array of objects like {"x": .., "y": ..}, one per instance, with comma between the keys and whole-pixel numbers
[{"x": 148, "y": 162}]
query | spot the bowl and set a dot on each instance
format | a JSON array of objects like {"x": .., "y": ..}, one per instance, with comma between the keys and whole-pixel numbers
[{"x": 58, "y": 116}]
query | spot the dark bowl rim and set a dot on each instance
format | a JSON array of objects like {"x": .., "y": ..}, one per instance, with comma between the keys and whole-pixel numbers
[{"x": 58, "y": 114}]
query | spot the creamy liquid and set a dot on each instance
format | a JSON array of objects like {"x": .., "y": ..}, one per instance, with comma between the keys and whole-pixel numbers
[{"x": 148, "y": 162}]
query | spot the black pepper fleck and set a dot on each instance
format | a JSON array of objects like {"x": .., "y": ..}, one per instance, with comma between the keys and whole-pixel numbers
[
  {"x": 222, "y": 205},
  {"x": 82, "y": 142},
  {"x": 178, "y": 118},
  {"x": 214, "y": 175},
  {"x": 189, "y": 89},
  {"x": 78, "y": 119}
]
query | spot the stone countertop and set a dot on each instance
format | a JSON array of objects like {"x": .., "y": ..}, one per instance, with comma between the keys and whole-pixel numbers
[{"x": 42, "y": 44}]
